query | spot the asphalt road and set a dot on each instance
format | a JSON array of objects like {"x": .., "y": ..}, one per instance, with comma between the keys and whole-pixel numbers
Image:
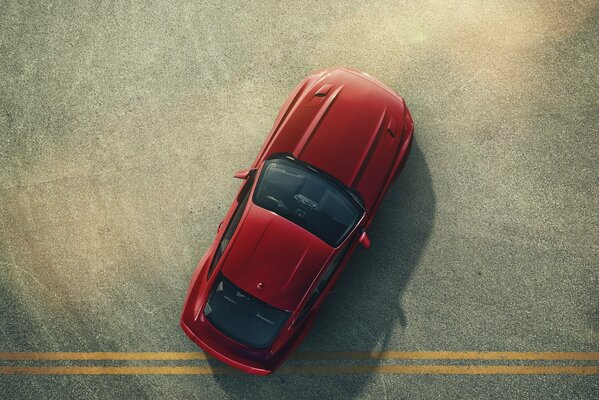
[{"x": 121, "y": 124}]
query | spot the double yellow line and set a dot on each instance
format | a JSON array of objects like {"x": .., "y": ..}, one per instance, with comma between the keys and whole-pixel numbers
[{"x": 341, "y": 368}]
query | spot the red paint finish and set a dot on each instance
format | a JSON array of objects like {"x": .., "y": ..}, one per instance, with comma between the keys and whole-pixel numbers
[
  {"x": 273, "y": 251},
  {"x": 346, "y": 124},
  {"x": 355, "y": 133}
]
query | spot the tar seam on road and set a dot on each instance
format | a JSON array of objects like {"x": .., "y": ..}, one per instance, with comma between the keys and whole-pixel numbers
[{"x": 340, "y": 368}]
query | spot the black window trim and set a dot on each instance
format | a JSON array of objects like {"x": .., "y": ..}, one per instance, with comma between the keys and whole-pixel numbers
[
  {"x": 242, "y": 200},
  {"x": 315, "y": 294}
]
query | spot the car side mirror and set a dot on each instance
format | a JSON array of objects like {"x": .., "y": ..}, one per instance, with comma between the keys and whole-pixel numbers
[
  {"x": 364, "y": 240},
  {"x": 243, "y": 174}
]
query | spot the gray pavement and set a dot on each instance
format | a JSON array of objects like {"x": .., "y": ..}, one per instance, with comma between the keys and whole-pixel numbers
[{"x": 121, "y": 124}]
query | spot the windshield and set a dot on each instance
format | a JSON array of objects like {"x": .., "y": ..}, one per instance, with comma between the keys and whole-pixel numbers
[
  {"x": 243, "y": 317},
  {"x": 308, "y": 198}
]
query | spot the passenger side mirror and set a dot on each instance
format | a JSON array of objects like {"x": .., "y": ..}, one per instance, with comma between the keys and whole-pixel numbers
[
  {"x": 364, "y": 240},
  {"x": 243, "y": 174}
]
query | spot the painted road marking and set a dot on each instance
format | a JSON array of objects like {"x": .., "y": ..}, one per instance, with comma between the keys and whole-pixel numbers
[
  {"x": 376, "y": 355},
  {"x": 96, "y": 356},
  {"x": 449, "y": 355},
  {"x": 337, "y": 369},
  {"x": 309, "y": 369}
]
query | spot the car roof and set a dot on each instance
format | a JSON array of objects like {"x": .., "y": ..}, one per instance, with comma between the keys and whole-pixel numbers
[{"x": 274, "y": 259}]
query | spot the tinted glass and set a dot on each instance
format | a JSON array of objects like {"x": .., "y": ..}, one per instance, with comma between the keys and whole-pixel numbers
[
  {"x": 243, "y": 317},
  {"x": 226, "y": 238},
  {"x": 308, "y": 198},
  {"x": 324, "y": 280}
]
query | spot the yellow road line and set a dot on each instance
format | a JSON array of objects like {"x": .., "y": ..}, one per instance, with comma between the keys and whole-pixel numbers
[
  {"x": 108, "y": 370},
  {"x": 445, "y": 369},
  {"x": 338, "y": 369},
  {"x": 449, "y": 355},
  {"x": 108, "y": 355},
  {"x": 376, "y": 355}
]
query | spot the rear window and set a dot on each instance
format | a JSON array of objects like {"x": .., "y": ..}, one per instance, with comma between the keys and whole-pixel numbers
[{"x": 243, "y": 317}]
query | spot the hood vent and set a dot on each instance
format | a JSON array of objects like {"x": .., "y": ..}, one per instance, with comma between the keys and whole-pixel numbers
[
  {"x": 320, "y": 95},
  {"x": 391, "y": 127},
  {"x": 323, "y": 90}
]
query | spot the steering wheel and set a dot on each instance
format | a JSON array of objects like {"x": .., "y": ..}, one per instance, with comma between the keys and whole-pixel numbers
[{"x": 280, "y": 204}]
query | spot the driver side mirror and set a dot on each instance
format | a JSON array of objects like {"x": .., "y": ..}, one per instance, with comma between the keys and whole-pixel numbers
[
  {"x": 243, "y": 174},
  {"x": 364, "y": 240}
]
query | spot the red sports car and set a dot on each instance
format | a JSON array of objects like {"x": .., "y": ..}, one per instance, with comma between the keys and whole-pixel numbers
[{"x": 337, "y": 144}]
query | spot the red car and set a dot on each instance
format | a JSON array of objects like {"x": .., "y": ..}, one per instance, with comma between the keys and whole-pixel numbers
[{"x": 337, "y": 144}]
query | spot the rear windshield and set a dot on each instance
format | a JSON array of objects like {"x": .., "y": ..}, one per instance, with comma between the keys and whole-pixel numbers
[
  {"x": 308, "y": 198},
  {"x": 243, "y": 317}
]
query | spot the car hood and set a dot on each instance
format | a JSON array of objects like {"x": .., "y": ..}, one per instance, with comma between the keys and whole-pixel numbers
[
  {"x": 346, "y": 124},
  {"x": 273, "y": 259}
]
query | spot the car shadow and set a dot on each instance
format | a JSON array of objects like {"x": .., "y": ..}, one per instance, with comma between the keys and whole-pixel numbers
[{"x": 365, "y": 311}]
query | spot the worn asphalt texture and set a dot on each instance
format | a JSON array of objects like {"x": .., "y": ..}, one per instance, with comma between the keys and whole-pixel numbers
[{"x": 121, "y": 124}]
